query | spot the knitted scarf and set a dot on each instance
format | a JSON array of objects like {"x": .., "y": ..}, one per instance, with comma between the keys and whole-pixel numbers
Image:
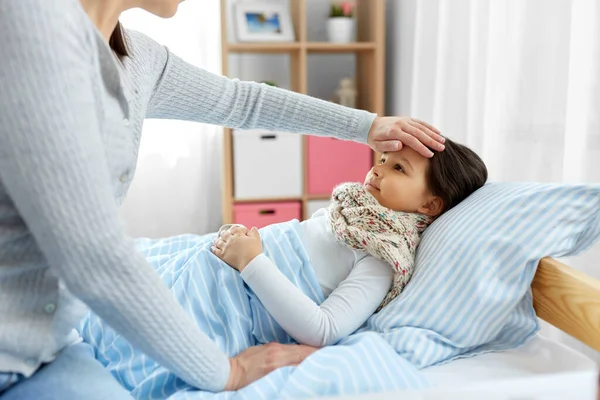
[{"x": 358, "y": 221}]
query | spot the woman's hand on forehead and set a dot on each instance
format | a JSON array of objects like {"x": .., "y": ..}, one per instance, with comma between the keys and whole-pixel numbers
[{"x": 393, "y": 133}]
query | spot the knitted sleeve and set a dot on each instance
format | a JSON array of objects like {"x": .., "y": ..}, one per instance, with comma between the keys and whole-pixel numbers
[
  {"x": 53, "y": 166},
  {"x": 186, "y": 92}
]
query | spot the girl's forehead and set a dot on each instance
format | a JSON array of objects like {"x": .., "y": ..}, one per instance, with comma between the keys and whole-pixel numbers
[{"x": 409, "y": 155}]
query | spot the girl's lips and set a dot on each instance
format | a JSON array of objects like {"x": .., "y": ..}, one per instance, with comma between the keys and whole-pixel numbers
[{"x": 371, "y": 185}]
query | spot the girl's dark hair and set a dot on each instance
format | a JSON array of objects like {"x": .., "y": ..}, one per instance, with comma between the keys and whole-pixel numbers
[
  {"x": 117, "y": 41},
  {"x": 455, "y": 173}
]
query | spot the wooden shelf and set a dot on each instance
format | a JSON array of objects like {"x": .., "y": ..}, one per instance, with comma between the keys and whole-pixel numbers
[
  {"x": 270, "y": 47},
  {"x": 325, "y": 47},
  {"x": 311, "y": 47},
  {"x": 369, "y": 55}
]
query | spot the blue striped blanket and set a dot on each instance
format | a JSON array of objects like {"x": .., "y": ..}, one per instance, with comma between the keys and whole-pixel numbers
[{"x": 224, "y": 308}]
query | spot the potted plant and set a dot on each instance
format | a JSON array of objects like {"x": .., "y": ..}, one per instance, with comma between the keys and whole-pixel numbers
[{"x": 340, "y": 25}]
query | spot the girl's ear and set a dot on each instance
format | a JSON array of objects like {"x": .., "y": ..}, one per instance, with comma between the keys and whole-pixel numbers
[{"x": 433, "y": 207}]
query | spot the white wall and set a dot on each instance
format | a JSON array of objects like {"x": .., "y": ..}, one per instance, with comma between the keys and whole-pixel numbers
[{"x": 324, "y": 71}]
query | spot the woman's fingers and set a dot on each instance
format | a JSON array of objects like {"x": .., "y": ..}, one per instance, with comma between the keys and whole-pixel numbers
[
  {"x": 413, "y": 138},
  {"x": 424, "y": 135},
  {"x": 430, "y": 127},
  {"x": 256, "y": 362},
  {"x": 303, "y": 351},
  {"x": 438, "y": 139},
  {"x": 394, "y": 133},
  {"x": 291, "y": 354}
]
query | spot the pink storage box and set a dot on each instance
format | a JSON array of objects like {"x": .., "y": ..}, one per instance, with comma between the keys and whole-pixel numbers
[
  {"x": 332, "y": 161},
  {"x": 263, "y": 214}
]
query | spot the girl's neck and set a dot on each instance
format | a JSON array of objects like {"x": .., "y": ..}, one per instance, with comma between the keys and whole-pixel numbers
[{"x": 104, "y": 14}]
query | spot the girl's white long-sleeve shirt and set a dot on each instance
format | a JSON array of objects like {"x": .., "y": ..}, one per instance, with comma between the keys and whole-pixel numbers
[{"x": 353, "y": 283}]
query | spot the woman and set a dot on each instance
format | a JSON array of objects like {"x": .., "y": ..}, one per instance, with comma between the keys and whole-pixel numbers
[{"x": 74, "y": 91}]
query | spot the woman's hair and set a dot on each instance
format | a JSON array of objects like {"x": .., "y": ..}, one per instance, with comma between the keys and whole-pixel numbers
[
  {"x": 455, "y": 173},
  {"x": 117, "y": 41}
]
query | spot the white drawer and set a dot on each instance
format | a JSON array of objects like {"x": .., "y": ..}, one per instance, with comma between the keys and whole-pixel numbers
[
  {"x": 267, "y": 164},
  {"x": 313, "y": 205}
]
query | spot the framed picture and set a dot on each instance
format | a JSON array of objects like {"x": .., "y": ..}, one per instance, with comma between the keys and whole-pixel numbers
[{"x": 263, "y": 22}]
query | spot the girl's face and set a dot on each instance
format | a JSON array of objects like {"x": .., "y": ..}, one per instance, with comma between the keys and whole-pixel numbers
[
  {"x": 160, "y": 8},
  {"x": 398, "y": 182}
]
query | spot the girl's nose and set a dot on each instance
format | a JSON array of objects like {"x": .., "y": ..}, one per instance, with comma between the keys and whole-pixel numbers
[{"x": 376, "y": 171}]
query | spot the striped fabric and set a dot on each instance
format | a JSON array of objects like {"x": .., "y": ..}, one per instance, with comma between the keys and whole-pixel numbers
[
  {"x": 216, "y": 298},
  {"x": 470, "y": 293}
]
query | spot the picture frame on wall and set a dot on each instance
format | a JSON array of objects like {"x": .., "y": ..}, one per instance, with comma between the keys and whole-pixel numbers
[{"x": 263, "y": 22}]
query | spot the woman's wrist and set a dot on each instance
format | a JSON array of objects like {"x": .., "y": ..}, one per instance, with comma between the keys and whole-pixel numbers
[{"x": 366, "y": 124}]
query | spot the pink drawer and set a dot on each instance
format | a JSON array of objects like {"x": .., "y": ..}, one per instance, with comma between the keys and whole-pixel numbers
[
  {"x": 263, "y": 214},
  {"x": 333, "y": 161}
]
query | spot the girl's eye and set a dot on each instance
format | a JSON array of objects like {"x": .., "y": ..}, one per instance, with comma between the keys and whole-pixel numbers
[
  {"x": 382, "y": 161},
  {"x": 398, "y": 167}
]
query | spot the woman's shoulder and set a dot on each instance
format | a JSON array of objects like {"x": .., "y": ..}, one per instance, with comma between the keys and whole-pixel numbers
[
  {"x": 146, "y": 62},
  {"x": 142, "y": 45},
  {"x": 145, "y": 52}
]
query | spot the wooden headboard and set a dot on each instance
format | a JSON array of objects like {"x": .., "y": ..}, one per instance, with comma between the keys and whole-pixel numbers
[{"x": 569, "y": 300}]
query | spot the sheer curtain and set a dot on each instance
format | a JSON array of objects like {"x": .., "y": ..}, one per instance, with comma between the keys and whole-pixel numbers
[
  {"x": 518, "y": 81},
  {"x": 177, "y": 185}
]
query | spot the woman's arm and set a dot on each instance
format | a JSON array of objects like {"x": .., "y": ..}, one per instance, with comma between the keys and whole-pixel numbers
[
  {"x": 53, "y": 166},
  {"x": 183, "y": 91},
  {"x": 345, "y": 310}
]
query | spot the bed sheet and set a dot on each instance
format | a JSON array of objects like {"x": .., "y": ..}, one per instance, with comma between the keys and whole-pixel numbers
[
  {"x": 542, "y": 369},
  {"x": 539, "y": 356}
]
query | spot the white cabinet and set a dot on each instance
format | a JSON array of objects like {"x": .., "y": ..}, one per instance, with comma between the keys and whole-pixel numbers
[{"x": 267, "y": 164}]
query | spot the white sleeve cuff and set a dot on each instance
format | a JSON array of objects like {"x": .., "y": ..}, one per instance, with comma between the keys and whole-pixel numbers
[{"x": 259, "y": 263}]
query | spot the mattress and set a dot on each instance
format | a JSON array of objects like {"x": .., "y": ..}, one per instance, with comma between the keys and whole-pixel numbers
[{"x": 541, "y": 369}]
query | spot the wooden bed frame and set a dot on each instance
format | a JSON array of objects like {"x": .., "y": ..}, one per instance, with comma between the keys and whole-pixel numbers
[{"x": 569, "y": 300}]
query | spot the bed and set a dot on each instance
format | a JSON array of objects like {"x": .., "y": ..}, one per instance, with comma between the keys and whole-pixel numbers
[
  {"x": 467, "y": 322},
  {"x": 542, "y": 368}
]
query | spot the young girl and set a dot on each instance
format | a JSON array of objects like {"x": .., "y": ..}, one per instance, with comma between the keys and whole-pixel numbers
[
  {"x": 313, "y": 282},
  {"x": 362, "y": 247}
]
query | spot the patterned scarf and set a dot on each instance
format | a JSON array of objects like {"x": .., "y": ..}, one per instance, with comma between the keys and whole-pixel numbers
[{"x": 358, "y": 221}]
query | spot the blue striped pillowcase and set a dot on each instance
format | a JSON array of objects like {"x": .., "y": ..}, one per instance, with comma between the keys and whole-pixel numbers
[{"x": 470, "y": 292}]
